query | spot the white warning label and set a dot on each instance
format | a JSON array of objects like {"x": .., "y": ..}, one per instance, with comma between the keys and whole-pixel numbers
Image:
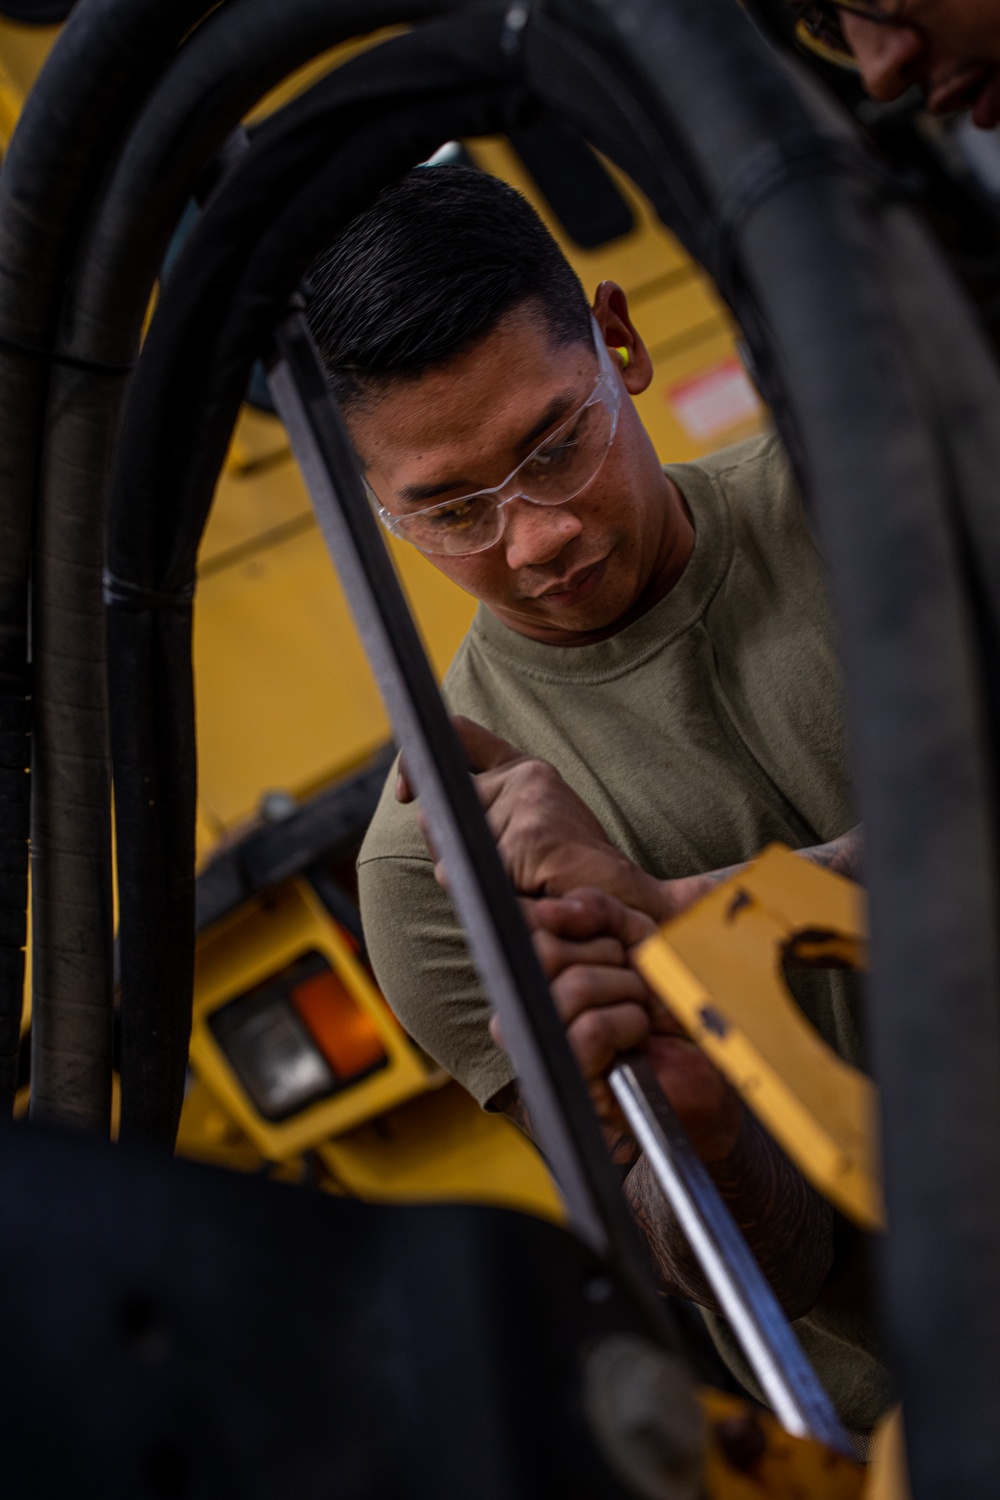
[{"x": 714, "y": 400}]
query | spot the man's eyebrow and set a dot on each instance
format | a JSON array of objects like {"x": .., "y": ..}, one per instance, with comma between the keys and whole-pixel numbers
[{"x": 557, "y": 408}]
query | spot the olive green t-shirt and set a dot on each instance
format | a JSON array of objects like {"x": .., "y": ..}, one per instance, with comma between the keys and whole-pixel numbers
[{"x": 700, "y": 733}]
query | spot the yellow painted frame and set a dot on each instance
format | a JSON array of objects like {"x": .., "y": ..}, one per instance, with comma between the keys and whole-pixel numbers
[{"x": 719, "y": 969}]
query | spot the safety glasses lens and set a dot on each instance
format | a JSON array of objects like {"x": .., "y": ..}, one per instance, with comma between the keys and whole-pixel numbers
[{"x": 552, "y": 475}]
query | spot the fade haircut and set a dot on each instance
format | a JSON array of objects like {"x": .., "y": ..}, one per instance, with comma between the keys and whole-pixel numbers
[{"x": 431, "y": 267}]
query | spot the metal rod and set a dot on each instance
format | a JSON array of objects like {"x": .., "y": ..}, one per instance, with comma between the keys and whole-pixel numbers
[
  {"x": 750, "y": 1306},
  {"x": 561, "y": 1114}
]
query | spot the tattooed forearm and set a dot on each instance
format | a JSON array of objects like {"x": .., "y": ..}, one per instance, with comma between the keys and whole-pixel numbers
[
  {"x": 621, "y": 1147},
  {"x": 788, "y": 1226},
  {"x": 842, "y": 855}
]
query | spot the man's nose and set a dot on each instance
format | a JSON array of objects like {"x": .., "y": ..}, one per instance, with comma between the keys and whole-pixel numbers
[
  {"x": 536, "y": 534},
  {"x": 890, "y": 58}
]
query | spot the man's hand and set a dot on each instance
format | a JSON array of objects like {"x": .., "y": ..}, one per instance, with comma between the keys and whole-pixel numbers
[
  {"x": 549, "y": 840},
  {"x": 551, "y": 843},
  {"x": 583, "y": 942}
]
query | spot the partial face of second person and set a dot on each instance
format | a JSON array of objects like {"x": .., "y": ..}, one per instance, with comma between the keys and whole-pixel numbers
[
  {"x": 951, "y": 48},
  {"x": 566, "y": 574}
]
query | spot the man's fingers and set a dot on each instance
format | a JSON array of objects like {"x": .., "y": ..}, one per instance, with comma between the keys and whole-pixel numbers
[
  {"x": 585, "y": 987},
  {"x": 599, "y": 1037},
  {"x": 404, "y": 784},
  {"x": 555, "y": 954},
  {"x": 664, "y": 1022},
  {"x": 484, "y": 749},
  {"x": 587, "y": 912}
]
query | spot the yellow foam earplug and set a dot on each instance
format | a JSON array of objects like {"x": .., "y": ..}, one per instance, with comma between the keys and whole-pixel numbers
[{"x": 621, "y": 350}]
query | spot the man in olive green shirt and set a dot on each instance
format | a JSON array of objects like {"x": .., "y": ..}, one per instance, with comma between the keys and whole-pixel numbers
[{"x": 651, "y": 679}]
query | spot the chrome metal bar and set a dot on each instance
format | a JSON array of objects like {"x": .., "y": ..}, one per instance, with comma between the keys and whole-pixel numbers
[{"x": 747, "y": 1301}]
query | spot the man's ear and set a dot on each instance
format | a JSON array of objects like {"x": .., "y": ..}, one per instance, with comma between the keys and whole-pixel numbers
[{"x": 611, "y": 313}]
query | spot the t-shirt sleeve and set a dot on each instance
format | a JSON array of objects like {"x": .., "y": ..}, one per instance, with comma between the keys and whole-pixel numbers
[{"x": 419, "y": 953}]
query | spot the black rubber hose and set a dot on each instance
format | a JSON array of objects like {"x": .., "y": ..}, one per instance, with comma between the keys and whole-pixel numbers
[
  {"x": 152, "y": 553},
  {"x": 809, "y": 252},
  {"x": 36, "y": 12},
  {"x": 240, "y": 52},
  {"x": 99, "y": 69}
]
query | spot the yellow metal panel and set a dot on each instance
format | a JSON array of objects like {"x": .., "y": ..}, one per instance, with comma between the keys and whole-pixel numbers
[
  {"x": 207, "y": 1133},
  {"x": 443, "y": 1146},
  {"x": 23, "y": 50},
  {"x": 685, "y": 308},
  {"x": 719, "y": 969},
  {"x": 259, "y": 491},
  {"x": 662, "y": 413},
  {"x": 888, "y": 1477},
  {"x": 264, "y": 938},
  {"x": 749, "y": 1456},
  {"x": 285, "y": 697}
]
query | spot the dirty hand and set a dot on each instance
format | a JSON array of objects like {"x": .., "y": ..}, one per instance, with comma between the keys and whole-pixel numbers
[{"x": 583, "y": 941}]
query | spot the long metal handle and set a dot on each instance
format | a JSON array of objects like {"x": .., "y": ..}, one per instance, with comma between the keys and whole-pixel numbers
[
  {"x": 561, "y": 1114},
  {"x": 751, "y": 1308}
]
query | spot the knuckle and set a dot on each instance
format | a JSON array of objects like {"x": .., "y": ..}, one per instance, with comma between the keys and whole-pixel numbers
[{"x": 591, "y": 1031}]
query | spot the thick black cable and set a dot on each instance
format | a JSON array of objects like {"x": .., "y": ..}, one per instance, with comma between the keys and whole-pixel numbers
[
  {"x": 240, "y": 52},
  {"x": 100, "y": 67}
]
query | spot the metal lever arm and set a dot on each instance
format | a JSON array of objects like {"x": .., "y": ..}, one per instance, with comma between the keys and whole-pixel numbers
[{"x": 765, "y": 1335}]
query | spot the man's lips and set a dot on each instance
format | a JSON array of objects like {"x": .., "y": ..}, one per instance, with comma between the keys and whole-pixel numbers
[{"x": 575, "y": 586}]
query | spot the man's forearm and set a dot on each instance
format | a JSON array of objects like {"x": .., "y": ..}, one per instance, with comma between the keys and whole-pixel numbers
[
  {"x": 787, "y": 1225},
  {"x": 668, "y": 898}
]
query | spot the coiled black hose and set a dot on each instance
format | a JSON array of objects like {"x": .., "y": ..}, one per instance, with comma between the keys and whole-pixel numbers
[
  {"x": 99, "y": 70},
  {"x": 241, "y": 51},
  {"x": 228, "y": 63}
]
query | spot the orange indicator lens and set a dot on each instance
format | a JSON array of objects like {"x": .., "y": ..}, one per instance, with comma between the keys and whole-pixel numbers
[{"x": 345, "y": 1034}]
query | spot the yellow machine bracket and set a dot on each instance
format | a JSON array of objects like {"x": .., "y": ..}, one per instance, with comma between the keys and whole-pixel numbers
[{"x": 719, "y": 969}]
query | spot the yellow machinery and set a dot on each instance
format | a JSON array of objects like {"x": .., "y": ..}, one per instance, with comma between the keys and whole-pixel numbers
[{"x": 719, "y": 968}]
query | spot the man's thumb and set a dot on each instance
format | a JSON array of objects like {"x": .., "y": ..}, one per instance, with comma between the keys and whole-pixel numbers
[{"x": 484, "y": 750}]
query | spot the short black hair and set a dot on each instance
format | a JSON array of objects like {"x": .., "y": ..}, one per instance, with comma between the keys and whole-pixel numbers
[{"x": 434, "y": 263}]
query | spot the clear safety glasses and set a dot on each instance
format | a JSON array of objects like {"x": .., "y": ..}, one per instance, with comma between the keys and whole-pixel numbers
[
  {"x": 817, "y": 24},
  {"x": 559, "y": 469}
]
